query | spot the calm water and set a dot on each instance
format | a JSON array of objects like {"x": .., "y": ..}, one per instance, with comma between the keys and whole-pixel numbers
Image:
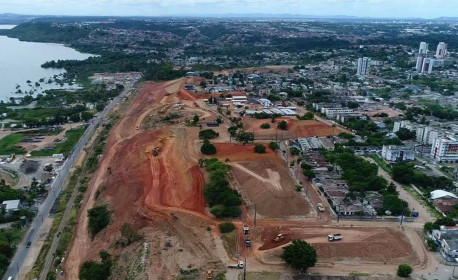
[{"x": 21, "y": 61}]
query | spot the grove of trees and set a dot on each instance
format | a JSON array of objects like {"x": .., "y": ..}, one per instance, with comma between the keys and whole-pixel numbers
[{"x": 299, "y": 255}]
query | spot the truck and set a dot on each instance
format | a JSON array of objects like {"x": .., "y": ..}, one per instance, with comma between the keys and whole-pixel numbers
[
  {"x": 334, "y": 237},
  {"x": 246, "y": 230},
  {"x": 320, "y": 207},
  {"x": 247, "y": 243},
  {"x": 238, "y": 265},
  {"x": 279, "y": 237},
  {"x": 209, "y": 274}
]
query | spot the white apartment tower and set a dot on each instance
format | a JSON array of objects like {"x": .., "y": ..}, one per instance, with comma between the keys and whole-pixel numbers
[
  {"x": 363, "y": 63},
  {"x": 445, "y": 150},
  {"x": 441, "y": 51},
  {"x": 423, "y": 48}
]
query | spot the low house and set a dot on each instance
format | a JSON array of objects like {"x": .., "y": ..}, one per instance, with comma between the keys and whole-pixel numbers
[
  {"x": 447, "y": 238},
  {"x": 11, "y": 205}
]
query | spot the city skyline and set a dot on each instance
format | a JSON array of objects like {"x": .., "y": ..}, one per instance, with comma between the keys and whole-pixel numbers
[{"x": 358, "y": 8}]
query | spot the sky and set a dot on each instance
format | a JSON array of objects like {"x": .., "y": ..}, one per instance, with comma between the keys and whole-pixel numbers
[{"x": 362, "y": 8}]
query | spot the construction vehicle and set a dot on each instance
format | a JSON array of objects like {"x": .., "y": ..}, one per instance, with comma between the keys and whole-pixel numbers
[
  {"x": 334, "y": 237},
  {"x": 238, "y": 265},
  {"x": 209, "y": 274},
  {"x": 320, "y": 207},
  {"x": 247, "y": 243},
  {"x": 279, "y": 237},
  {"x": 246, "y": 230}
]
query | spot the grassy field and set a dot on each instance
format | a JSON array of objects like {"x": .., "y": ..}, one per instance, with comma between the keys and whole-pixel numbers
[
  {"x": 9, "y": 142},
  {"x": 230, "y": 243},
  {"x": 65, "y": 147}
]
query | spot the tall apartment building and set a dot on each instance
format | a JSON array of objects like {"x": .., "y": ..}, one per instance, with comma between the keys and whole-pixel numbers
[
  {"x": 445, "y": 150},
  {"x": 423, "y": 48},
  {"x": 441, "y": 51},
  {"x": 363, "y": 64}
]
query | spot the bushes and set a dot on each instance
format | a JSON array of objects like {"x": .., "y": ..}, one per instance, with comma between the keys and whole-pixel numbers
[
  {"x": 208, "y": 148},
  {"x": 283, "y": 125},
  {"x": 273, "y": 146},
  {"x": 404, "y": 270},
  {"x": 91, "y": 270},
  {"x": 99, "y": 217},
  {"x": 208, "y": 134},
  {"x": 260, "y": 149},
  {"x": 265, "y": 126},
  {"x": 226, "y": 227},
  {"x": 224, "y": 202}
]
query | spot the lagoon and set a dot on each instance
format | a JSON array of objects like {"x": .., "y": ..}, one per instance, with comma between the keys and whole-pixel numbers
[{"x": 21, "y": 62}]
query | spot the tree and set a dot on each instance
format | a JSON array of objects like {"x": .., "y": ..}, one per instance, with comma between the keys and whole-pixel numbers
[
  {"x": 405, "y": 134},
  {"x": 299, "y": 255},
  {"x": 265, "y": 126},
  {"x": 308, "y": 173},
  {"x": 428, "y": 227},
  {"x": 244, "y": 137},
  {"x": 404, "y": 270},
  {"x": 449, "y": 222},
  {"x": 99, "y": 217},
  {"x": 86, "y": 115},
  {"x": 91, "y": 270},
  {"x": 75, "y": 117},
  {"x": 259, "y": 148},
  {"x": 208, "y": 148},
  {"x": 395, "y": 205},
  {"x": 274, "y": 146},
  {"x": 129, "y": 234},
  {"x": 195, "y": 119},
  {"x": 283, "y": 125},
  {"x": 226, "y": 227},
  {"x": 294, "y": 151},
  {"x": 208, "y": 134}
]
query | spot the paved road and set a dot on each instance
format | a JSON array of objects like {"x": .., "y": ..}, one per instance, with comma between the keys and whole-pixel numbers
[{"x": 56, "y": 187}]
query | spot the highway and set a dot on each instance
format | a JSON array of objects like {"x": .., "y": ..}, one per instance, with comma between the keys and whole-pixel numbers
[{"x": 57, "y": 185}]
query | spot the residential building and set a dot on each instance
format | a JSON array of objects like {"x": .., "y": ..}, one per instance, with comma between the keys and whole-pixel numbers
[
  {"x": 448, "y": 240},
  {"x": 419, "y": 64},
  {"x": 363, "y": 63},
  {"x": 445, "y": 150},
  {"x": 398, "y": 153},
  {"x": 332, "y": 113},
  {"x": 423, "y": 48},
  {"x": 441, "y": 51}
]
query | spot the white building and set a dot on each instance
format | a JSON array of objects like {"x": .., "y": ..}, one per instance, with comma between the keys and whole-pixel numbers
[
  {"x": 398, "y": 153},
  {"x": 403, "y": 124},
  {"x": 362, "y": 66},
  {"x": 441, "y": 51},
  {"x": 445, "y": 150},
  {"x": 11, "y": 205},
  {"x": 423, "y": 48},
  {"x": 419, "y": 65},
  {"x": 331, "y": 113}
]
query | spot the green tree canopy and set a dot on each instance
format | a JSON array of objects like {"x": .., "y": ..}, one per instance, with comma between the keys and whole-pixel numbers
[{"x": 299, "y": 255}]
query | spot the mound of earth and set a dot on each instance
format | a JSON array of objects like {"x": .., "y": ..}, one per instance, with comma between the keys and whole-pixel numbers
[{"x": 29, "y": 167}]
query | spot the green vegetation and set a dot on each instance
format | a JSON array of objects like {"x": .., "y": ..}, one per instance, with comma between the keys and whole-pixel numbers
[
  {"x": 91, "y": 270},
  {"x": 72, "y": 138},
  {"x": 307, "y": 116},
  {"x": 274, "y": 146},
  {"x": 9, "y": 237},
  {"x": 99, "y": 218},
  {"x": 230, "y": 243},
  {"x": 405, "y": 173},
  {"x": 259, "y": 148},
  {"x": 226, "y": 227},
  {"x": 299, "y": 255},
  {"x": 404, "y": 270},
  {"x": 129, "y": 235},
  {"x": 244, "y": 137},
  {"x": 208, "y": 148},
  {"x": 405, "y": 134},
  {"x": 9, "y": 142},
  {"x": 224, "y": 201},
  {"x": 265, "y": 126},
  {"x": 369, "y": 130},
  {"x": 208, "y": 134},
  {"x": 283, "y": 125}
]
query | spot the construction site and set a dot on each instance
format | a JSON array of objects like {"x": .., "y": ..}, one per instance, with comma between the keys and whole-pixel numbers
[{"x": 150, "y": 177}]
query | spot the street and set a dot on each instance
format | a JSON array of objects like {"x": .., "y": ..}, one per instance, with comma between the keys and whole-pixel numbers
[{"x": 56, "y": 187}]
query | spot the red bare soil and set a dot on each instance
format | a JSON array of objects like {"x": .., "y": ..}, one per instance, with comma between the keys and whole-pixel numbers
[
  {"x": 368, "y": 244},
  {"x": 236, "y": 152},
  {"x": 186, "y": 95},
  {"x": 296, "y": 128}
]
